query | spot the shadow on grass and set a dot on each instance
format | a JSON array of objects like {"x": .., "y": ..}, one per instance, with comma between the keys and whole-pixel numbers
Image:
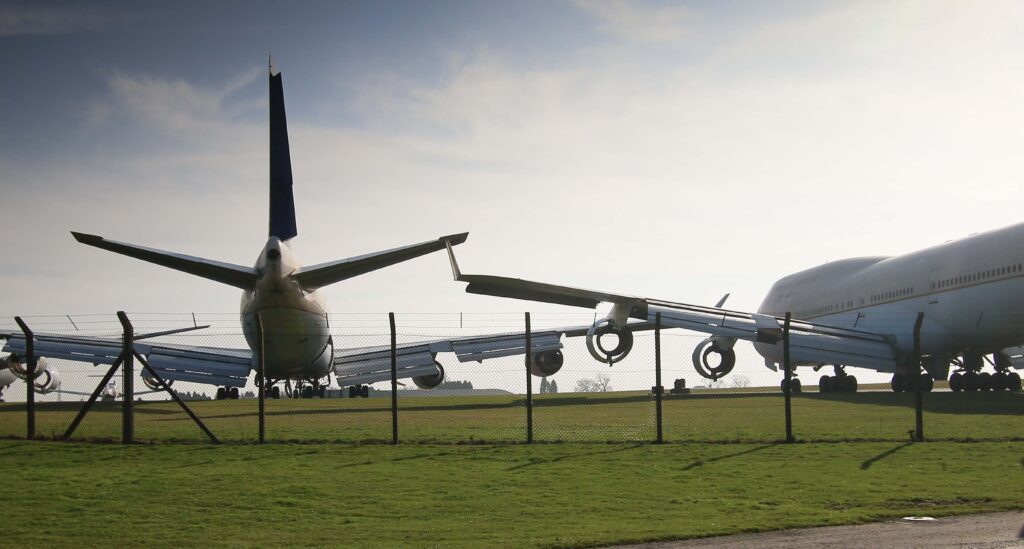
[
  {"x": 537, "y": 461},
  {"x": 869, "y": 462},
  {"x": 703, "y": 462},
  {"x": 986, "y": 403}
]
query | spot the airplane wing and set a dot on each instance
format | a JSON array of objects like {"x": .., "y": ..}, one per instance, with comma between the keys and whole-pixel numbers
[
  {"x": 317, "y": 276},
  {"x": 809, "y": 342},
  {"x": 223, "y": 367},
  {"x": 361, "y": 366}
]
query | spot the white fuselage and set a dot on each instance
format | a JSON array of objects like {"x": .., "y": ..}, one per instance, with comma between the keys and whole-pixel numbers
[
  {"x": 297, "y": 341},
  {"x": 971, "y": 292}
]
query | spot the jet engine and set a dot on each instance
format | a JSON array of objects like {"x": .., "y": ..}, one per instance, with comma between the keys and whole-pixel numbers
[
  {"x": 431, "y": 381},
  {"x": 46, "y": 380},
  {"x": 152, "y": 383},
  {"x": 546, "y": 363},
  {"x": 722, "y": 346},
  {"x": 596, "y": 335}
]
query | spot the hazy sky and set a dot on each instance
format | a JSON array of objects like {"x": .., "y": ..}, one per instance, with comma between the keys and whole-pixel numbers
[{"x": 671, "y": 150}]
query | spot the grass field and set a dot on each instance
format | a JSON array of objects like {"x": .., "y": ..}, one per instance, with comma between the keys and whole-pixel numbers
[
  {"x": 619, "y": 417},
  {"x": 422, "y": 495}
]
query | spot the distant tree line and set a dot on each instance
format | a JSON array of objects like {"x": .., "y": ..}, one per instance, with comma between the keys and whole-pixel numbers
[{"x": 456, "y": 385}]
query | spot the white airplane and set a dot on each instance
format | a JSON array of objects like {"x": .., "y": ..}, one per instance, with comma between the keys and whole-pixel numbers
[
  {"x": 297, "y": 345},
  {"x": 856, "y": 312}
]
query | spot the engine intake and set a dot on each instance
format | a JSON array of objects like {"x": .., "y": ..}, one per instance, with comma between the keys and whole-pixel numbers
[
  {"x": 605, "y": 327},
  {"x": 726, "y": 357},
  {"x": 431, "y": 381},
  {"x": 153, "y": 384},
  {"x": 546, "y": 363},
  {"x": 47, "y": 381}
]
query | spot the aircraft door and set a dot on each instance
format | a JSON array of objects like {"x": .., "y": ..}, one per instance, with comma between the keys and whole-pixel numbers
[{"x": 933, "y": 286}]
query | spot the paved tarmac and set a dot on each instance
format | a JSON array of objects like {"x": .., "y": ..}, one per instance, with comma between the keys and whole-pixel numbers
[{"x": 989, "y": 531}]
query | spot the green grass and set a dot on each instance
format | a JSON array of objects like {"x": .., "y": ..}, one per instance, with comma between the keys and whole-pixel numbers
[
  {"x": 708, "y": 416},
  {"x": 420, "y": 495}
]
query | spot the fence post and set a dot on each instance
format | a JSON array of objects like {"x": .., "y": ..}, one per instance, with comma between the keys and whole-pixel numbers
[
  {"x": 788, "y": 384},
  {"x": 261, "y": 371},
  {"x": 529, "y": 382},
  {"x": 658, "y": 389},
  {"x": 128, "y": 377},
  {"x": 918, "y": 399},
  {"x": 394, "y": 379},
  {"x": 30, "y": 377}
]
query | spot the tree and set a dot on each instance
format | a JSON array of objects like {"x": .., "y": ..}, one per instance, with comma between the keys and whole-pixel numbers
[
  {"x": 600, "y": 384},
  {"x": 740, "y": 381},
  {"x": 552, "y": 387},
  {"x": 544, "y": 387}
]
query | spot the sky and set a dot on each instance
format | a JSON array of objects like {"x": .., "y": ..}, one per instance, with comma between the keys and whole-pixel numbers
[{"x": 670, "y": 150}]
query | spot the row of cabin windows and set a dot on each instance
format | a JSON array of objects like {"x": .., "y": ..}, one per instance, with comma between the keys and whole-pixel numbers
[
  {"x": 824, "y": 309},
  {"x": 978, "y": 276},
  {"x": 903, "y": 292},
  {"x": 885, "y": 296}
]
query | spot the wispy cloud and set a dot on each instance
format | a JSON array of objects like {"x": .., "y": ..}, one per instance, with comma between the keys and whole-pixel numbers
[
  {"x": 639, "y": 22},
  {"x": 24, "y": 21}
]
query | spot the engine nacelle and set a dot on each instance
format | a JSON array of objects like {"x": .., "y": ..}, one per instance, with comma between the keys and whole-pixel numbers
[
  {"x": 606, "y": 327},
  {"x": 152, "y": 383},
  {"x": 431, "y": 381},
  {"x": 19, "y": 368},
  {"x": 722, "y": 346},
  {"x": 47, "y": 381},
  {"x": 546, "y": 363}
]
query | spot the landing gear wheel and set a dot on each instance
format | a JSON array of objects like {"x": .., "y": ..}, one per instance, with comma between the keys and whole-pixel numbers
[
  {"x": 927, "y": 383},
  {"x": 233, "y": 393},
  {"x": 999, "y": 381},
  {"x": 321, "y": 392},
  {"x": 364, "y": 391},
  {"x": 307, "y": 392},
  {"x": 898, "y": 383},
  {"x": 275, "y": 392},
  {"x": 984, "y": 381},
  {"x": 956, "y": 382},
  {"x": 1013, "y": 382},
  {"x": 851, "y": 384},
  {"x": 353, "y": 391},
  {"x": 794, "y": 386},
  {"x": 824, "y": 384},
  {"x": 221, "y": 392},
  {"x": 970, "y": 382}
]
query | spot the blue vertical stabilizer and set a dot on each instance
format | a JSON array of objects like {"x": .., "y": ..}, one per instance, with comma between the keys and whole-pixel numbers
[{"x": 282, "y": 205}]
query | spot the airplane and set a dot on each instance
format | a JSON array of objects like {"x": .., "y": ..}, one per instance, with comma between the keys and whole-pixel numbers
[
  {"x": 857, "y": 312},
  {"x": 298, "y": 346}
]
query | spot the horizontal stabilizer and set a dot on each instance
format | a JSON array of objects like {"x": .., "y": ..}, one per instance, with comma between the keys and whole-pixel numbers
[
  {"x": 317, "y": 276},
  {"x": 225, "y": 273}
]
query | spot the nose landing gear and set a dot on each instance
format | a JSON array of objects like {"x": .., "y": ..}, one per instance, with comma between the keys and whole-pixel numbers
[{"x": 840, "y": 383}]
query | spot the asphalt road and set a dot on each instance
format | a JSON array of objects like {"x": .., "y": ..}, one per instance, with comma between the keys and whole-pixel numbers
[{"x": 989, "y": 531}]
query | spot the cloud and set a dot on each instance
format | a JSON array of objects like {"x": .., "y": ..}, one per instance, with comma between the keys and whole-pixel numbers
[
  {"x": 639, "y": 22},
  {"x": 25, "y": 21}
]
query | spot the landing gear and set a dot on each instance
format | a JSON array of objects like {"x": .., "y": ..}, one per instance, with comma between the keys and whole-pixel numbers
[
  {"x": 904, "y": 383},
  {"x": 971, "y": 378},
  {"x": 275, "y": 392},
  {"x": 841, "y": 383},
  {"x": 794, "y": 385},
  {"x": 224, "y": 393},
  {"x": 359, "y": 391}
]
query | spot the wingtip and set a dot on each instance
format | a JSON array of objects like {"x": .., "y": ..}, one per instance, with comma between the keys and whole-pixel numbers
[
  {"x": 454, "y": 239},
  {"x": 86, "y": 238}
]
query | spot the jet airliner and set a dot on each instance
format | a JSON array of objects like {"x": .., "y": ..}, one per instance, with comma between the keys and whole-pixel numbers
[
  {"x": 298, "y": 346},
  {"x": 858, "y": 312}
]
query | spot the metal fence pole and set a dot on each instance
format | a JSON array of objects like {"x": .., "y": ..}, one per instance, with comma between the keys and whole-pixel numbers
[
  {"x": 787, "y": 386},
  {"x": 658, "y": 389},
  {"x": 918, "y": 399},
  {"x": 30, "y": 377},
  {"x": 529, "y": 382},
  {"x": 128, "y": 377},
  {"x": 394, "y": 379},
  {"x": 261, "y": 371}
]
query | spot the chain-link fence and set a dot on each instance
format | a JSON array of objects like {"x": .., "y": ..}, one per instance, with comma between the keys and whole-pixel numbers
[{"x": 489, "y": 401}]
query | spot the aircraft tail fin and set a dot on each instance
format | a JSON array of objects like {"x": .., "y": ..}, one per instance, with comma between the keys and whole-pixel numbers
[{"x": 282, "y": 204}]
